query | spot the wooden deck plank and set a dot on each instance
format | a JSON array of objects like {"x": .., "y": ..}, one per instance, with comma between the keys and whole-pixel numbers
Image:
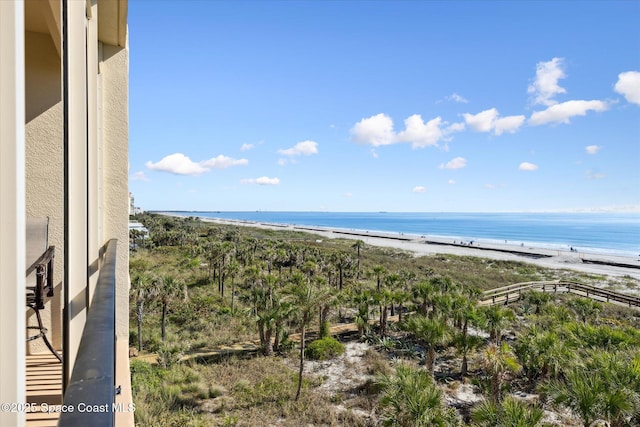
[{"x": 44, "y": 385}]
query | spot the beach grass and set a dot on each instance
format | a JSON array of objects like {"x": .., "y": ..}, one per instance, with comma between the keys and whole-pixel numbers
[{"x": 252, "y": 390}]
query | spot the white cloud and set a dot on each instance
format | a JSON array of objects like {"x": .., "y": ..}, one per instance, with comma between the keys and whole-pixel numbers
[
  {"x": 456, "y": 98},
  {"x": 180, "y": 164},
  {"x": 545, "y": 86},
  {"x": 509, "y": 124},
  {"x": 454, "y": 127},
  {"x": 490, "y": 120},
  {"x": 282, "y": 161},
  {"x": 483, "y": 121},
  {"x": 305, "y": 148},
  {"x": 561, "y": 113},
  {"x": 376, "y": 130},
  {"x": 263, "y": 180},
  {"x": 451, "y": 182},
  {"x": 177, "y": 163},
  {"x": 591, "y": 174},
  {"x": 374, "y": 153},
  {"x": 592, "y": 149},
  {"x": 348, "y": 195},
  {"x": 419, "y": 133},
  {"x": 628, "y": 85},
  {"x": 419, "y": 189},
  {"x": 457, "y": 163},
  {"x": 246, "y": 147},
  {"x": 139, "y": 176},
  {"x": 489, "y": 186},
  {"x": 223, "y": 162},
  {"x": 526, "y": 166}
]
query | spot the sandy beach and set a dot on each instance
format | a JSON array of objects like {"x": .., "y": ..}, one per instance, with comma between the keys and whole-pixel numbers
[{"x": 592, "y": 263}]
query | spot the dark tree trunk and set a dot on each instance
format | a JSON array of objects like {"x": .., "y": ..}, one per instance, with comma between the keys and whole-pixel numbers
[
  {"x": 431, "y": 358},
  {"x": 268, "y": 344},
  {"x": 495, "y": 387},
  {"x": 233, "y": 293},
  {"x": 465, "y": 365},
  {"x": 383, "y": 323},
  {"x": 140, "y": 311},
  {"x": 302, "y": 337},
  {"x": 261, "y": 332},
  {"x": 276, "y": 340},
  {"x": 164, "y": 320}
]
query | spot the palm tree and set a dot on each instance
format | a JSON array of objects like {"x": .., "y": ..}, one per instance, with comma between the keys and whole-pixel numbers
[
  {"x": 227, "y": 251},
  {"x": 497, "y": 318},
  {"x": 433, "y": 332},
  {"x": 271, "y": 318},
  {"x": 232, "y": 269},
  {"x": 379, "y": 270},
  {"x": 343, "y": 262},
  {"x": 498, "y": 360},
  {"x": 305, "y": 298},
  {"x": 169, "y": 289},
  {"x": 400, "y": 297},
  {"x": 411, "y": 398},
  {"x": 143, "y": 289},
  {"x": 543, "y": 353},
  {"x": 510, "y": 413},
  {"x": 585, "y": 308},
  {"x": 407, "y": 278},
  {"x": 358, "y": 245},
  {"x": 538, "y": 299},
  {"x": 423, "y": 293},
  {"x": 362, "y": 298},
  {"x": 331, "y": 299},
  {"x": 136, "y": 237},
  {"x": 391, "y": 282},
  {"x": 465, "y": 344},
  {"x": 591, "y": 395},
  {"x": 383, "y": 298},
  {"x": 581, "y": 393}
]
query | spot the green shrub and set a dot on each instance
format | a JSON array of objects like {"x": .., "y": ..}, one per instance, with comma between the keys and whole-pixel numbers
[
  {"x": 324, "y": 330},
  {"x": 325, "y": 348},
  {"x": 168, "y": 356}
]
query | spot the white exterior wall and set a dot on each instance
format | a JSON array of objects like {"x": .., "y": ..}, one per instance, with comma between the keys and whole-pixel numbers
[
  {"x": 76, "y": 266},
  {"x": 115, "y": 104},
  {"x": 44, "y": 166},
  {"x": 12, "y": 210}
]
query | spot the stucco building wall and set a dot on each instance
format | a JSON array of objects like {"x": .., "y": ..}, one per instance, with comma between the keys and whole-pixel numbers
[
  {"x": 115, "y": 116},
  {"x": 44, "y": 166}
]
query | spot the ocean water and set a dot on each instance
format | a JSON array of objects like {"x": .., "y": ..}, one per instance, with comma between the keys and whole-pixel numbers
[{"x": 616, "y": 234}]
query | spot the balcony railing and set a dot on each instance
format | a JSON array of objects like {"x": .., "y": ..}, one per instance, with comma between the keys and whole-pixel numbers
[{"x": 91, "y": 390}]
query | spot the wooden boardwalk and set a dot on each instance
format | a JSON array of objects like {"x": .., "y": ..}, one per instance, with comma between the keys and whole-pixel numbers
[{"x": 512, "y": 293}]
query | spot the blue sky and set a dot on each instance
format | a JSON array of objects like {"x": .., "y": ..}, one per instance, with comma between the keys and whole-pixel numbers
[{"x": 385, "y": 106}]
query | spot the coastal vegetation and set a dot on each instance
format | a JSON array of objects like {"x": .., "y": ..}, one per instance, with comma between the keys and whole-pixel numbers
[{"x": 250, "y": 326}]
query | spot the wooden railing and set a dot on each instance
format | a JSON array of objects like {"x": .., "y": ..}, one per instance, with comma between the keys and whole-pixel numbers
[{"x": 512, "y": 293}]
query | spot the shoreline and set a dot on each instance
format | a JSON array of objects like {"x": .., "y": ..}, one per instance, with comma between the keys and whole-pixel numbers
[
  {"x": 610, "y": 265},
  {"x": 593, "y": 237}
]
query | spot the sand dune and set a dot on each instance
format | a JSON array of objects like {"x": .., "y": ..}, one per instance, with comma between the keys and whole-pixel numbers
[{"x": 425, "y": 245}]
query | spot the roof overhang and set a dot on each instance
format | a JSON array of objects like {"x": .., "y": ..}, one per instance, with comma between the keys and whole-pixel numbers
[{"x": 112, "y": 22}]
